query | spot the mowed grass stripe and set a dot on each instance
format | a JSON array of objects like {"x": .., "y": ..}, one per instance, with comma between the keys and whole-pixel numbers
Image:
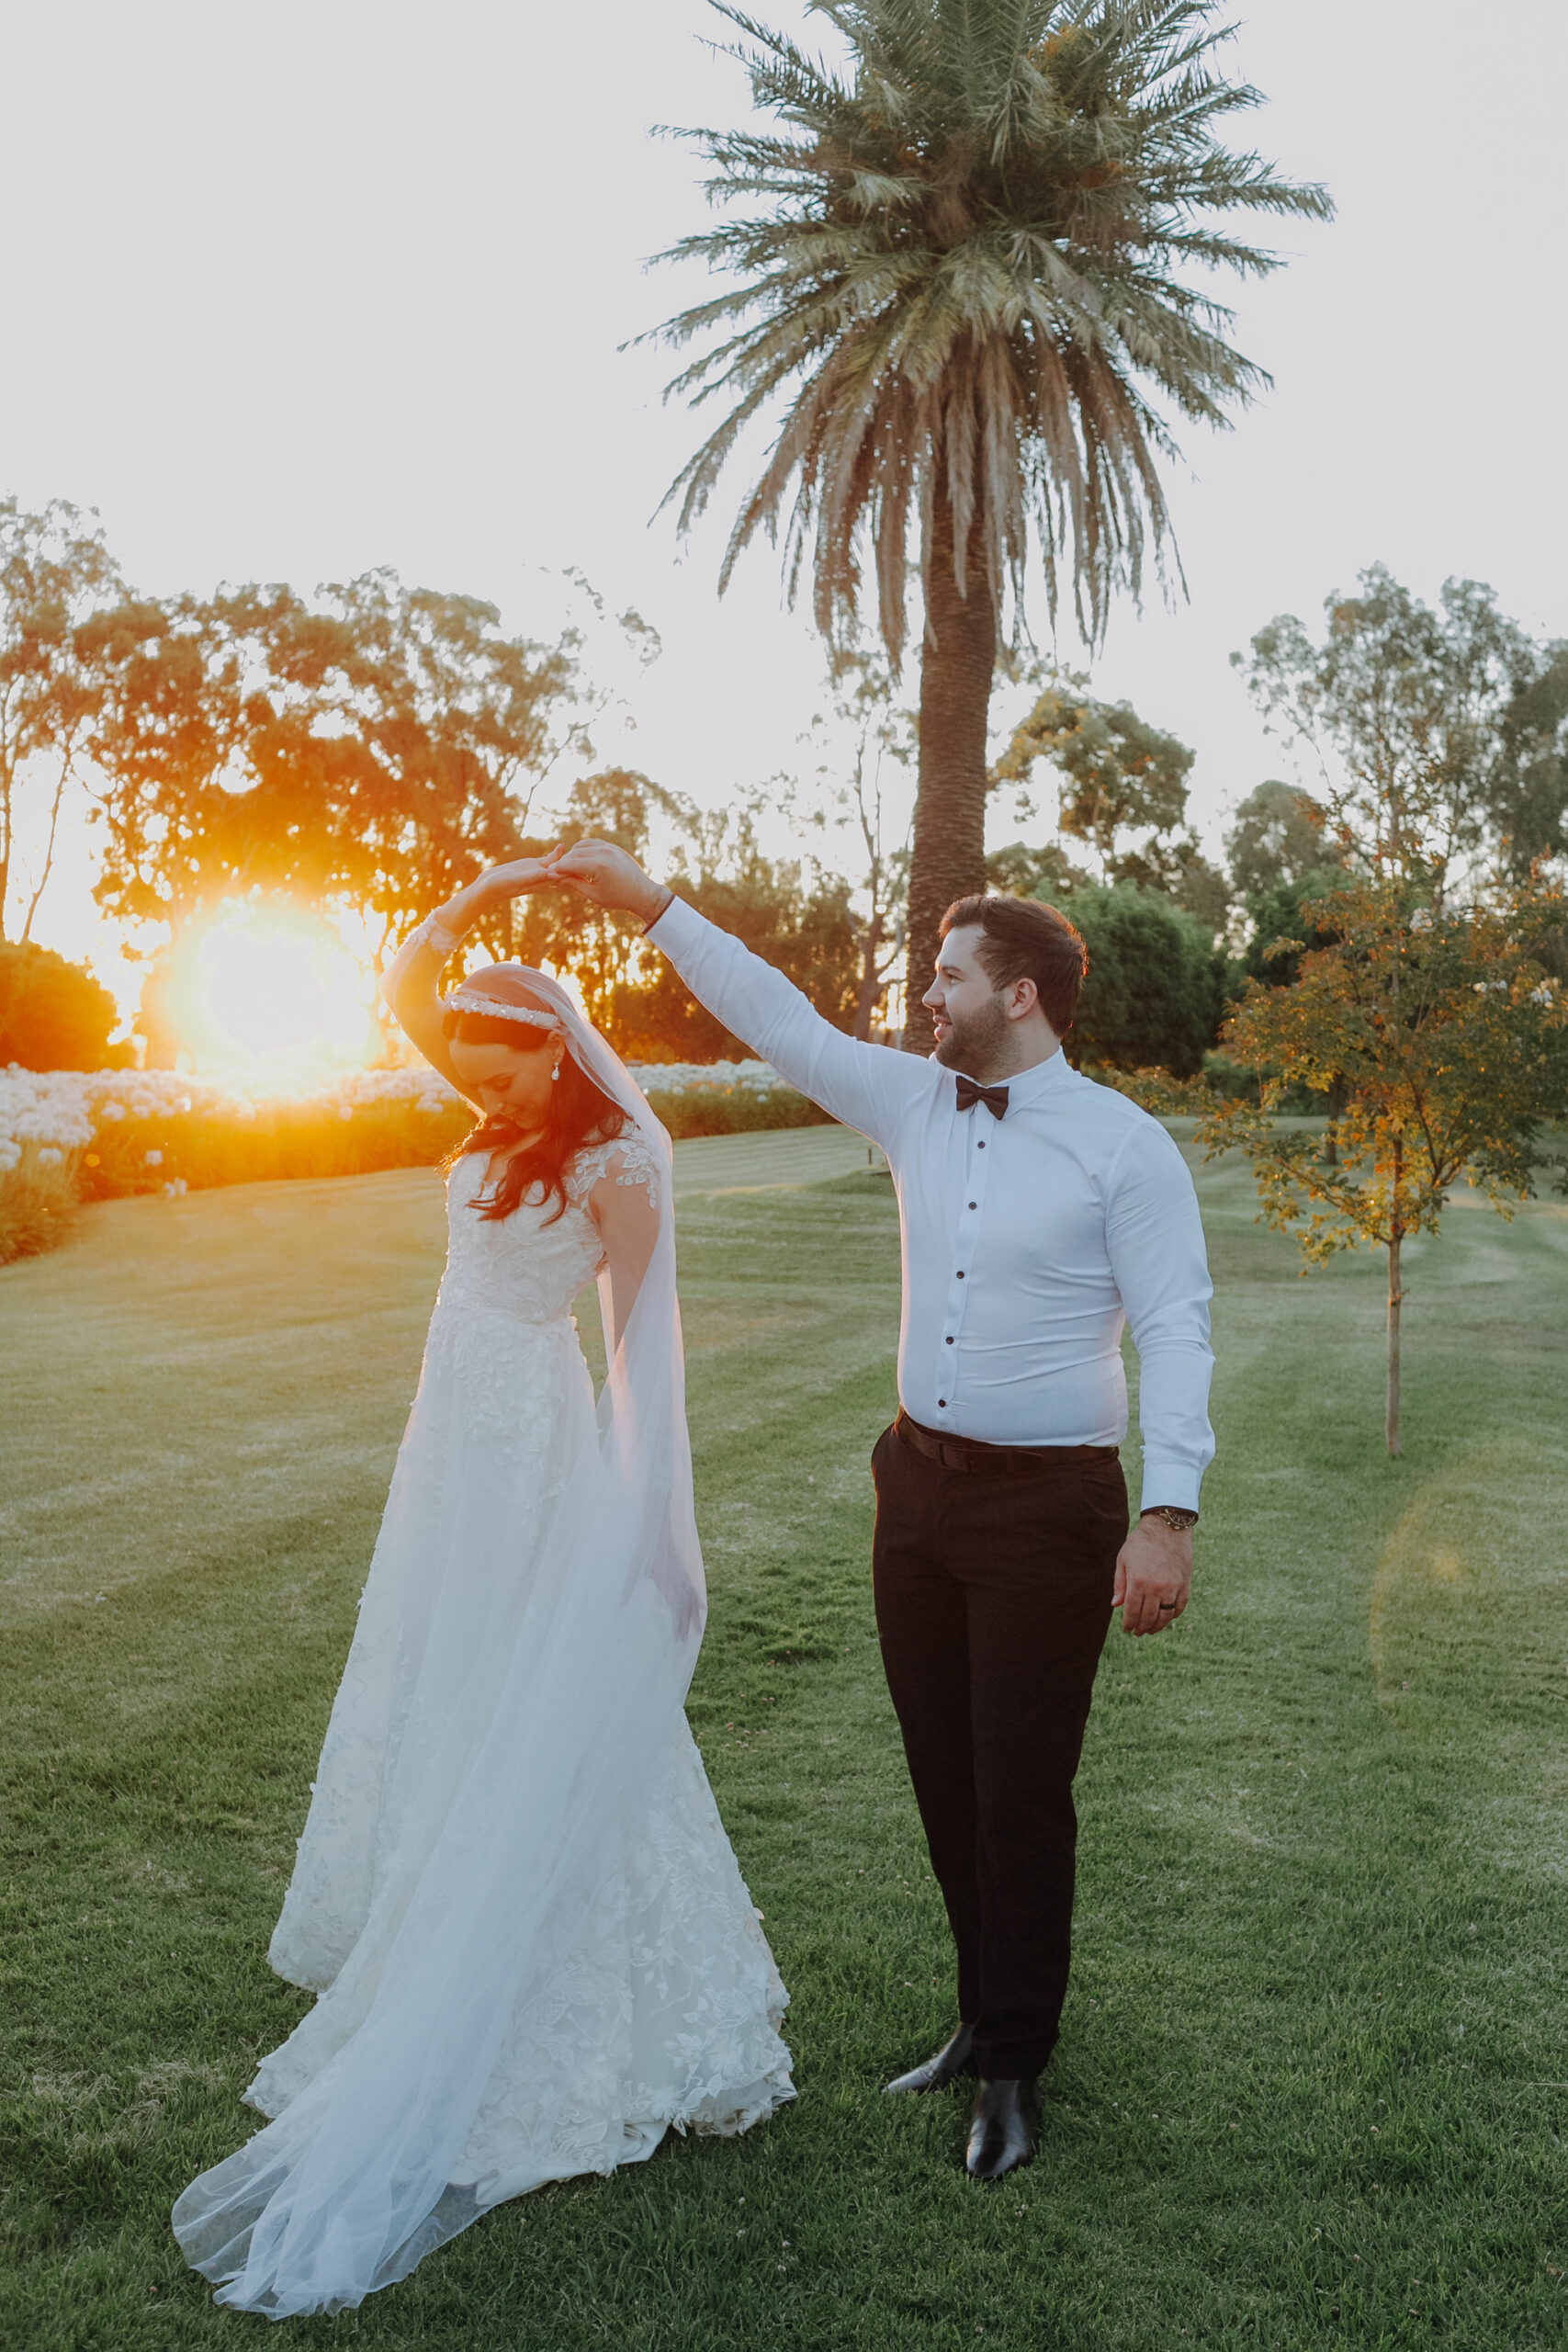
[{"x": 1311, "y": 2086}]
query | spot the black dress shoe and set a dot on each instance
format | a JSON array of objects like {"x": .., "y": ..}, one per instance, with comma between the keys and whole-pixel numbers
[
  {"x": 951, "y": 2061},
  {"x": 1002, "y": 2128}
]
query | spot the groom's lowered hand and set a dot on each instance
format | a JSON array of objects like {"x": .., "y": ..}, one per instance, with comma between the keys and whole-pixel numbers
[
  {"x": 608, "y": 877},
  {"x": 1154, "y": 1576}
]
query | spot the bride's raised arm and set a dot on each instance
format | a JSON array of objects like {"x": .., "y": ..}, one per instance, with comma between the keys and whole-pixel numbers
[{"x": 411, "y": 984}]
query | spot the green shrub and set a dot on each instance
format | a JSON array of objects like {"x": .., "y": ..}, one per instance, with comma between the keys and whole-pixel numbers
[
  {"x": 1232, "y": 1081},
  {"x": 1155, "y": 993},
  {"x": 734, "y": 1110},
  {"x": 55, "y": 1014}
]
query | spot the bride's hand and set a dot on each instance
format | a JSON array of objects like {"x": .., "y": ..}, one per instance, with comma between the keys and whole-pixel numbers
[
  {"x": 686, "y": 1607},
  {"x": 608, "y": 877},
  {"x": 515, "y": 878}
]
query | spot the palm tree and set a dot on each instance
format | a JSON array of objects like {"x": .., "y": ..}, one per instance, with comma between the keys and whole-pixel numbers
[{"x": 966, "y": 266}]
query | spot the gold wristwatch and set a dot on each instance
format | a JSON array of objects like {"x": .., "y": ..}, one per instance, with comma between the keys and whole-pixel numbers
[{"x": 1180, "y": 1520}]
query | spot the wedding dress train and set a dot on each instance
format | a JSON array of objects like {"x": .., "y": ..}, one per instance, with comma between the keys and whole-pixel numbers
[{"x": 532, "y": 1946}]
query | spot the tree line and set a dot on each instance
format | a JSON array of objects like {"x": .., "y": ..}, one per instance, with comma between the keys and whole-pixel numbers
[
  {"x": 371, "y": 749},
  {"x": 376, "y": 746}
]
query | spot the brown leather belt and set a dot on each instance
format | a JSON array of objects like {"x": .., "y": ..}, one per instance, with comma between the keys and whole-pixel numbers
[{"x": 972, "y": 1453}]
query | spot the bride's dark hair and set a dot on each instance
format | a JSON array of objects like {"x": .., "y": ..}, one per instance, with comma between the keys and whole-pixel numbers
[{"x": 578, "y": 1114}]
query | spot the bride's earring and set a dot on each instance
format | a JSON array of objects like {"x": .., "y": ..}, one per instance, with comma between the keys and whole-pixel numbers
[{"x": 555, "y": 1073}]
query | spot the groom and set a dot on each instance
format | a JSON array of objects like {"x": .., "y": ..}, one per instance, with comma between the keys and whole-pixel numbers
[{"x": 1039, "y": 1213}]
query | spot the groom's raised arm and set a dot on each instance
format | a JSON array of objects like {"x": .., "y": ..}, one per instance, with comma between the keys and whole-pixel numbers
[{"x": 868, "y": 1087}]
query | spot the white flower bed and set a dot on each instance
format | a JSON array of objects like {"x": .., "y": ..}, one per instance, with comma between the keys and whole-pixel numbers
[
  {"x": 679, "y": 1078},
  {"x": 49, "y": 1108},
  {"x": 62, "y": 1111}
]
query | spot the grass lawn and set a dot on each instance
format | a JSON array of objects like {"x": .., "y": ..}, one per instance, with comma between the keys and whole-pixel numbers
[{"x": 1314, "y": 2072}]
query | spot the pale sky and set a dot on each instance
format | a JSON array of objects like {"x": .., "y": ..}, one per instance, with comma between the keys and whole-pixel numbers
[{"x": 297, "y": 289}]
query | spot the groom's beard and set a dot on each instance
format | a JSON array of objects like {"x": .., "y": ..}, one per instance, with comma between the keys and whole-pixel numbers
[{"x": 976, "y": 1043}]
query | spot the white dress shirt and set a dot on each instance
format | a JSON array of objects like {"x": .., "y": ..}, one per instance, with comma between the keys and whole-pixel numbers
[{"x": 1029, "y": 1242}]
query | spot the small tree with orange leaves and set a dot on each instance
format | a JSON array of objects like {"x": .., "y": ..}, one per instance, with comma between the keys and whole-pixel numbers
[{"x": 1444, "y": 1036}]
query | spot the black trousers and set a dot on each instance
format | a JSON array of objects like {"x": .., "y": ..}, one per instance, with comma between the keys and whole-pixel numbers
[{"x": 993, "y": 1597}]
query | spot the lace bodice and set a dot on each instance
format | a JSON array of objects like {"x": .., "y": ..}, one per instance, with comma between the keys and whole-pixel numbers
[{"x": 529, "y": 1266}]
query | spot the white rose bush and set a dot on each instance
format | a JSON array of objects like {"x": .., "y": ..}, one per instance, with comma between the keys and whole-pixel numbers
[{"x": 67, "y": 1137}]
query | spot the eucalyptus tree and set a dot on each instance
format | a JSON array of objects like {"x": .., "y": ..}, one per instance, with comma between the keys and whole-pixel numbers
[
  {"x": 1278, "y": 835},
  {"x": 55, "y": 569},
  {"x": 1528, "y": 790},
  {"x": 968, "y": 265},
  {"x": 866, "y": 737},
  {"x": 1116, "y": 776},
  {"x": 1411, "y": 717},
  {"x": 377, "y": 747}
]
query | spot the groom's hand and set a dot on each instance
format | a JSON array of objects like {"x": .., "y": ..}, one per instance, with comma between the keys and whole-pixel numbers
[
  {"x": 607, "y": 877},
  {"x": 1154, "y": 1576}
]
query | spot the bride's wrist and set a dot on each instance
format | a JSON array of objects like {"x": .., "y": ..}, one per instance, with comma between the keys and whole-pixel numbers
[{"x": 445, "y": 930}]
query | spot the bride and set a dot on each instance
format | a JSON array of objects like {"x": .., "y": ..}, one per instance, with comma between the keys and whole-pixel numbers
[{"x": 531, "y": 1944}]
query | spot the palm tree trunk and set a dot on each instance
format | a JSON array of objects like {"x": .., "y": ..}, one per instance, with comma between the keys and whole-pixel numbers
[
  {"x": 948, "y": 859},
  {"x": 1396, "y": 1301}
]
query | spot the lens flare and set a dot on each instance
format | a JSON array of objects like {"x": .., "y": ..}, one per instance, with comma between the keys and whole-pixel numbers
[{"x": 273, "y": 985}]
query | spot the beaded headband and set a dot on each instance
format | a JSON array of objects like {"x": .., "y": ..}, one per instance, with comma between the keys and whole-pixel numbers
[{"x": 495, "y": 1008}]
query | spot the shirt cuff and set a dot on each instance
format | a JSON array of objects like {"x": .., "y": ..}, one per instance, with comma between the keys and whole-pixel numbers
[
  {"x": 661, "y": 922},
  {"x": 1173, "y": 1484}
]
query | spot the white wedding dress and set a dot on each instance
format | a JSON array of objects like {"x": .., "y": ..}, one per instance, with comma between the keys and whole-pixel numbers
[{"x": 532, "y": 1946}]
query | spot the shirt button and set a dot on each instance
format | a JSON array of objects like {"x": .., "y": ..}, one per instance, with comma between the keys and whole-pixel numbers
[
  {"x": 980, "y": 1147},
  {"x": 961, "y": 1274},
  {"x": 943, "y": 1402},
  {"x": 950, "y": 1338},
  {"x": 974, "y": 1205}
]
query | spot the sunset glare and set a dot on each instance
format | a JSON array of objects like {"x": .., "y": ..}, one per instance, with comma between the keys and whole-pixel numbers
[{"x": 272, "y": 985}]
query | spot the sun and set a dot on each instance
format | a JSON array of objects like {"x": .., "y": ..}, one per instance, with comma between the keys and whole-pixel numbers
[{"x": 271, "y": 985}]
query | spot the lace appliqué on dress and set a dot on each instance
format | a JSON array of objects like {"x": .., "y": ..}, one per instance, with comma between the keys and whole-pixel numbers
[{"x": 627, "y": 1158}]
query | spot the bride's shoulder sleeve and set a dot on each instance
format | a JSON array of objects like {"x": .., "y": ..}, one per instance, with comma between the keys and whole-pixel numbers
[{"x": 626, "y": 1159}]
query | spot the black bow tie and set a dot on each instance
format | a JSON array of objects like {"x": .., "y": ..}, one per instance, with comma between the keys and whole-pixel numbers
[{"x": 995, "y": 1098}]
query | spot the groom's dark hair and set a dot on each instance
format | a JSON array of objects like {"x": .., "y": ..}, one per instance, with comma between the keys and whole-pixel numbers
[{"x": 1026, "y": 939}]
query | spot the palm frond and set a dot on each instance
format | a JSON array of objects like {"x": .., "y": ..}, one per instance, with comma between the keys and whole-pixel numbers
[{"x": 966, "y": 259}]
